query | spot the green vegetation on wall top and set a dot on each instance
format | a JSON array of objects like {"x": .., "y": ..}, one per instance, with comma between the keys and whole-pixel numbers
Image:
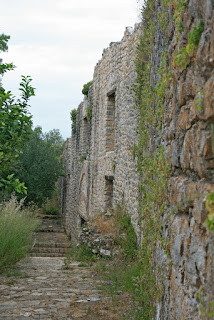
[{"x": 86, "y": 88}]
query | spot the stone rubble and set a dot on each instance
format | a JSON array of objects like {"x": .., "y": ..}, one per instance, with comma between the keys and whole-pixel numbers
[{"x": 100, "y": 244}]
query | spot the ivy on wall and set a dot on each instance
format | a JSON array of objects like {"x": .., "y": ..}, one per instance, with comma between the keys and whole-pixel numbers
[
  {"x": 151, "y": 96},
  {"x": 152, "y": 165}
]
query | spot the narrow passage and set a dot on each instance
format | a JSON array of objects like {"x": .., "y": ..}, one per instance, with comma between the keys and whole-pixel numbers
[{"x": 46, "y": 287}]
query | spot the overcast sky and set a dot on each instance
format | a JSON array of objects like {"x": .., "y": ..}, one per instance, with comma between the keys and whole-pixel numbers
[{"x": 58, "y": 43}]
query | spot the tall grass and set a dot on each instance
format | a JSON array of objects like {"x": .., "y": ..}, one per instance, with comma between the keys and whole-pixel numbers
[{"x": 16, "y": 228}]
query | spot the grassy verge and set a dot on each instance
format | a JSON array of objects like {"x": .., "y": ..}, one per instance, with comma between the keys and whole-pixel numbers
[
  {"x": 118, "y": 281},
  {"x": 129, "y": 275},
  {"x": 16, "y": 228}
]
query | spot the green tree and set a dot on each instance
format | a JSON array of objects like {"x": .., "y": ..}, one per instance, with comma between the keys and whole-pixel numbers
[
  {"x": 55, "y": 140},
  {"x": 4, "y": 47},
  {"x": 40, "y": 165},
  {"x": 15, "y": 126}
]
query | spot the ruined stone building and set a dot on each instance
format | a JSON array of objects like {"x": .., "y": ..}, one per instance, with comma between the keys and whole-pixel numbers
[{"x": 101, "y": 170}]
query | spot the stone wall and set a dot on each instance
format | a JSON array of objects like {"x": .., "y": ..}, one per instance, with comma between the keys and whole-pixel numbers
[
  {"x": 109, "y": 175},
  {"x": 100, "y": 170},
  {"x": 188, "y": 144}
]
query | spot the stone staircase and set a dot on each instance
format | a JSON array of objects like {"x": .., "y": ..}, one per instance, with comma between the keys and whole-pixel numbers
[{"x": 50, "y": 239}]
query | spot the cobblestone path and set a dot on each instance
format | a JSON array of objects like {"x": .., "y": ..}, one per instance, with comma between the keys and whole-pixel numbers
[
  {"x": 48, "y": 291},
  {"x": 46, "y": 287}
]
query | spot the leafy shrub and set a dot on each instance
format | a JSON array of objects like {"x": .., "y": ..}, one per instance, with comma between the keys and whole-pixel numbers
[
  {"x": 15, "y": 130},
  {"x": 16, "y": 228},
  {"x": 86, "y": 88}
]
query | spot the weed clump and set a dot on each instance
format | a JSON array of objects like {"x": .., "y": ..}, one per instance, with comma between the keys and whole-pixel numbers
[
  {"x": 126, "y": 238},
  {"x": 82, "y": 253},
  {"x": 182, "y": 58},
  {"x": 86, "y": 88},
  {"x": 16, "y": 228}
]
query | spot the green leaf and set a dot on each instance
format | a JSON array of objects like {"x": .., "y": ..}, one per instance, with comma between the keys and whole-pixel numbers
[{"x": 10, "y": 177}]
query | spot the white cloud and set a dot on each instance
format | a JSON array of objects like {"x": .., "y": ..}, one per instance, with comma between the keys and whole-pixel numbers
[
  {"x": 70, "y": 4},
  {"x": 58, "y": 42}
]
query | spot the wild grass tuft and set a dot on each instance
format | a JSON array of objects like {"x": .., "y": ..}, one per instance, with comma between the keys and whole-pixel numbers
[
  {"x": 16, "y": 228},
  {"x": 82, "y": 253},
  {"x": 126, "y": 238}
]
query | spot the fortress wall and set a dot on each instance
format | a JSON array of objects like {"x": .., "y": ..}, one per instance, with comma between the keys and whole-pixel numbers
[{"x": 109, "y": 176}]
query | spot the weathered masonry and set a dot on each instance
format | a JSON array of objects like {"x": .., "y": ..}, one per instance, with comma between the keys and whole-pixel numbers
[{"x": 101, "y": 170}]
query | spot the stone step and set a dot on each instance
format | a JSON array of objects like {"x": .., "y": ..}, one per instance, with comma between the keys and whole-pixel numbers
[
  {"x": 50, "y": 239},
  {"x": 50, "y": 229},
  {"x": 51, "y": 245},
  {"x": 51, "y": 217},
  {"x": 49, "y": 250},
  {"x": 50, "y": 254}
]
